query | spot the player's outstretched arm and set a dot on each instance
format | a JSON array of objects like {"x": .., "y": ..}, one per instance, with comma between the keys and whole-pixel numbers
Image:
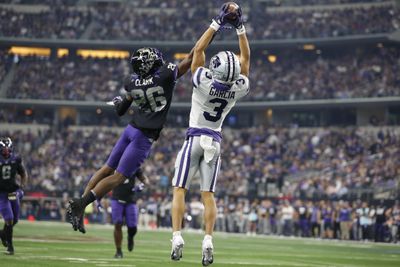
[
  {"x": 237, "y": 22},
  {"x": 185, "y": 64},
  {"x": 244, "y": 55},
  {"x": 199, "y": 57}
]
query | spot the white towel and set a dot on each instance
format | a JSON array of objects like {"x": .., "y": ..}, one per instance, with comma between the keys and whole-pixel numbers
[{"x": 206, "y": 142}]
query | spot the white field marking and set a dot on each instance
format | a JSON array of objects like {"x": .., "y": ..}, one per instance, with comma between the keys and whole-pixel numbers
[
  {"x": 41, "y": 240},
  {"x": 115, "y": 265}
]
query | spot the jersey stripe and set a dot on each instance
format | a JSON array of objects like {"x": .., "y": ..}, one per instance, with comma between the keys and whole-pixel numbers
[
  {"x": 233, "y": 61},
  {"x": 215, "y": 174},
  {"x": 229, "y": 66},
  {"x": 185, "y": 176},
  {"x": 196, "y": 81},
  {"x": 181, "y": 164}
]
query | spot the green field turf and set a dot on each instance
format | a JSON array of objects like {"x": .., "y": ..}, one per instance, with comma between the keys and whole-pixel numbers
[{"x": 42, "y": 244}]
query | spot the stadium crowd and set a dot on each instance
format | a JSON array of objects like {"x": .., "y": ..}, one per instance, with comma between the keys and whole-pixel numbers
[
  {"x": 58, "y": 22},
  {"x": 295, "y": 75},
  {"x": 303, "y": 163},
  {"x": 138, "y": 21}
]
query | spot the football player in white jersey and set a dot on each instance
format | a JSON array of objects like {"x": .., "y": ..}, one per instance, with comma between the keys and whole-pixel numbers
[{"x": 215, "y": 91}]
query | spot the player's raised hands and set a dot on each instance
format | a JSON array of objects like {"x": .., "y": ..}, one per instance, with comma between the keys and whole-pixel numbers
[{"x": 234, "y": 16}]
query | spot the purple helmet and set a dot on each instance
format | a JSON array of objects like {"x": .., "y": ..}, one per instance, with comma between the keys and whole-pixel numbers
[{"x": 147, "y": 60}]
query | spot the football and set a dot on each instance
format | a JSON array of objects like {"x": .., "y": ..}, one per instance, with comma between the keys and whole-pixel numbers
[{"x": 233, "y": 9}]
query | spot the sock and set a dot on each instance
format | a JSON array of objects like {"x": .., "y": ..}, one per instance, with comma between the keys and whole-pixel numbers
[
  {"x": 8, "y": 232},
  {"x": 176, "y": 233},
  {"x": 206, "y": 237},
  {"x": 87, "y": 199},
  {"x": 132, "y": 231}
]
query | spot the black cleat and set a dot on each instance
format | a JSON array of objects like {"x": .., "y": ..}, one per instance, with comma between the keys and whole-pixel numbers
[
  {"x": 10, "y": 250},
  {"x": 81, "y": 225},
  {"x": 118, "y": 255},
  {"x": 75, "y": 215},
  {"x": 3, "y": 238},
  {"x": 131, "y": 243}
]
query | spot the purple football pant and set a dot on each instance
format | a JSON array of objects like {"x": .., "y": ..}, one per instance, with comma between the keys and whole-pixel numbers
[
  {"x": 9, "y": 209},
  {"x": 132, "y": 148},
  {"x": 120, "y": 210}
]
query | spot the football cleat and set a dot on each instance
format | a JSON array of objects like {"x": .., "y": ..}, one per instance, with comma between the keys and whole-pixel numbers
[
  {"x": 10, "y": 250},
  {"x": 177, "y": 248},
  {"x": 208, "y": 255},
  {"x": 3, "y": 238},
  {"x": 75, "y": 215},
  {"x": 131, "y": 243},
  {"x": 118, "y": 255},
  {"x": 81, "y": 225}
]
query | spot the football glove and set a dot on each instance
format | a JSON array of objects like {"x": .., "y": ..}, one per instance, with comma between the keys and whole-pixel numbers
[
  {"x": 237, "y": 21},
  {"x": 117, "y": 100},
  {"x": 20, "y": 194},
  {"x": 221, "y": 19},
  {"x": 138, "y": 188},
  {"x": 99, "y": 206}
]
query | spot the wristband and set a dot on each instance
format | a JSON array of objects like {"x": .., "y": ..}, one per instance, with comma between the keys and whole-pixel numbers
[
  {"x": 241, "y": 30},
  {"x": 214, "y": 25}
]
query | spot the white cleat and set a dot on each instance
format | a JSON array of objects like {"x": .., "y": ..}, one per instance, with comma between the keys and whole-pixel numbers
[
  {"x": 177, "y": 248},
  {"x": 208, "y": 252}
]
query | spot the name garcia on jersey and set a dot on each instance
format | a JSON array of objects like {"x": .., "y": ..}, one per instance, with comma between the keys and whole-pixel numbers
[{"x": 222, "y": 94}]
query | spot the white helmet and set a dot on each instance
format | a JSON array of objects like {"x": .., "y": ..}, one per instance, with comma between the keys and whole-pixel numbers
[{"x": 225, "y": 67}]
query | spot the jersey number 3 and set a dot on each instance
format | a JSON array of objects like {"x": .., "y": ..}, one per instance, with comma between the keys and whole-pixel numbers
[{"x": 219, "y": 109}]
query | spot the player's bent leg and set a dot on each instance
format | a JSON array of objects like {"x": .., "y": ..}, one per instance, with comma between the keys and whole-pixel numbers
[
  {"x": 108, "y": 184},
  {"x": 99, "y": 175}
]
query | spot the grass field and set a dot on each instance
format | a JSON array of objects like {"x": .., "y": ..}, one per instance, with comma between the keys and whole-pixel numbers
[{"x": 43, "y": 244}]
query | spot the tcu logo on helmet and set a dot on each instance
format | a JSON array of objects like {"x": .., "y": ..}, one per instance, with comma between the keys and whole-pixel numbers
[{"x": 146, "y": 59}]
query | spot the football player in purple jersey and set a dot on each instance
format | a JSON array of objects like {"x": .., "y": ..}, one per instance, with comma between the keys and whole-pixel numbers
[
  {"x": 149, "y": 88},
  {"x": 10, "y": 190}
]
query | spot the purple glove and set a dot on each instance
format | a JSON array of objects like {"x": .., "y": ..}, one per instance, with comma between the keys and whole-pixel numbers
[
  {"x": 138, "y": 188},
  {"x": 221, "y": 18},
  {"x": 19, "y": 194},
  {"x": 98, "y": 205},
  {"x": 116, "y": 100}
]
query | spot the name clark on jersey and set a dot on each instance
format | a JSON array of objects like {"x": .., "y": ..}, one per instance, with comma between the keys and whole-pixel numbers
[
  {"x": 222, "y": 93},
  {"x": 143, "y": 82}
]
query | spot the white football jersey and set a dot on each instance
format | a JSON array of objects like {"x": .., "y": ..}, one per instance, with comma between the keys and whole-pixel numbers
[{"x": 210, "y": 105}]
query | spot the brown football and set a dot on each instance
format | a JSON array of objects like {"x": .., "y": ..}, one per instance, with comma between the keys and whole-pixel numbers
[{"x": 233, "y": 9}]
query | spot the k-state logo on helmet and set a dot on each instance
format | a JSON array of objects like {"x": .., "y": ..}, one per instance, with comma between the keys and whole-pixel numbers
[{"x": 216, "y": 62}]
